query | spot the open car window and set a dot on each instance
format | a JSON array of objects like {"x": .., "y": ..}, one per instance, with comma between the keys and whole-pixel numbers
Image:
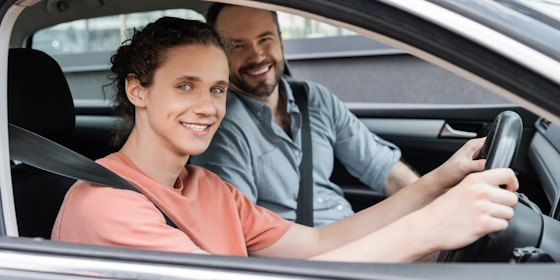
[
  {"x": 100, "y": 34},
  {"x": 390, "y": 90}
]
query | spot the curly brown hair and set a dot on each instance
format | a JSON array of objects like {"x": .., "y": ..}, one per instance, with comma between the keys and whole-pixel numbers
[{"x": 144, "y": 53}]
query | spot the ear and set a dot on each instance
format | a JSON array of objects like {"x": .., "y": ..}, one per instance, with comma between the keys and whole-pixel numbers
[{"x": 135, "y": 92}]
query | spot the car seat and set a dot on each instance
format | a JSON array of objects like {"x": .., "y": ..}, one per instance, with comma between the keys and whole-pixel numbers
[{"x": 39, "y": 100}]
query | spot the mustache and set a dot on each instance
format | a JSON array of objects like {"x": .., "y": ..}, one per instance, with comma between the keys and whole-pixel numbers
[{"x": 256, "y": 65}]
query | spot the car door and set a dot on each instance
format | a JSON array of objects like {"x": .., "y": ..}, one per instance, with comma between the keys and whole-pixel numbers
[{"x": 38, "y": 258}]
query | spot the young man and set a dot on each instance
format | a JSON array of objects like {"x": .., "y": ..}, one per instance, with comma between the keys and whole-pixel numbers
[{"x": 258, "y": 146}]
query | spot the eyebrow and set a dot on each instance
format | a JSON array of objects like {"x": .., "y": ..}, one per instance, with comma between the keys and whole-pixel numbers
[
  {"x": 189, "y": 78},
  {"x": 198, "y": 79},
  {"x": 222, "y": 83},
  {"x": 266, "y": 33}
]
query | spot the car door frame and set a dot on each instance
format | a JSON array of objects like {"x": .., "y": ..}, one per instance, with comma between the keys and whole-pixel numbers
[{"x": 295, "y": 268}]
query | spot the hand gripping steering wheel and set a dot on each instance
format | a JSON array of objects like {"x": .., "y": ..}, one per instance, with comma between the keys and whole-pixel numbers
[{"x": 499, "y": 149}]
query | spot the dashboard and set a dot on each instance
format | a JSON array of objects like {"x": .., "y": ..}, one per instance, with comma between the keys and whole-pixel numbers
[{"x": 544, "y": 156}]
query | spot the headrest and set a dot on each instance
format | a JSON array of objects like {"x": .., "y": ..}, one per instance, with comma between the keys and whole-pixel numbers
[{"x": 39, "y": 98}]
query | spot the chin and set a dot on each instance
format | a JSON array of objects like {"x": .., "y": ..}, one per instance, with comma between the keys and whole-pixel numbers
[{"x": 199, "y": 149}]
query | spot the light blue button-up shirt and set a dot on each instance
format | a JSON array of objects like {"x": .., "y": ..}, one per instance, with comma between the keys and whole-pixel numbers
[{"x": 255, "y": 155}]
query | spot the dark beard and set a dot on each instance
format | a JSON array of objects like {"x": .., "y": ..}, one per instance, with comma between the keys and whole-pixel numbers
[{"x": 262, "y": 89}]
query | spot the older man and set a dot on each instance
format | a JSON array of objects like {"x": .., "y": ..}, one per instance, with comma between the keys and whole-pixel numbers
[{"x": 258, "y": 147}]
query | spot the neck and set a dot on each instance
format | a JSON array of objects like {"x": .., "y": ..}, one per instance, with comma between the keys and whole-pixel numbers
[
  {"x": 272, "y": 101},
  {"x": 154, "y": 159}
]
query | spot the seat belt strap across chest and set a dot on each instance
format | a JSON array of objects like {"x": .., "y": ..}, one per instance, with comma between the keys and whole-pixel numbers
[
  {"x": 304, "y": 211},
  {"x": 29, "y": 148}
]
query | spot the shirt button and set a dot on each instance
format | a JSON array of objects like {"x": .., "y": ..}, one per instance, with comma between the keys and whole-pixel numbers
[
  {"x": 376, "y": 138},
  {"x": 339, "y": 207},
  {"x": 296, "y": 151},
  {"x": 259, "y": 114},
  {"x": 319, "y": 200}
]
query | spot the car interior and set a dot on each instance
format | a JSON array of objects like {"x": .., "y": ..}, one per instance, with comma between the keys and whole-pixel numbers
[
  {"x": 38, "y": 194},
  {"x": 86, "y": 126}
]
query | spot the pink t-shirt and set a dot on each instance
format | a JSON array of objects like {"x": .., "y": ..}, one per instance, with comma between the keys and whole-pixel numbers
[{"x": 210, "y": 213}]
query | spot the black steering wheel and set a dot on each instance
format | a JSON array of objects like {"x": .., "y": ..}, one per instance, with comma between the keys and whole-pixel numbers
[{"x": 499, "y": 149}]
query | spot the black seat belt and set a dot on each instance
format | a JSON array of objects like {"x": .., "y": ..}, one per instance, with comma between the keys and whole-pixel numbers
[
  {"x": 304, "y": 211},
  {"x": 39, "y": 152}
]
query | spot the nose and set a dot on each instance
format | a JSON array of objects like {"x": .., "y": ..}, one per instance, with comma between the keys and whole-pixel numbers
[
  {"x": 204, "y": 104},
  {"x": 256, "y": 53}
]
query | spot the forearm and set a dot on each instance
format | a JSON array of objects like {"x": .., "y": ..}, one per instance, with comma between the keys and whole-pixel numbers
[
  {"x": 400, "y": 176},
  {"x": 401, "y": 241},
  {"x": 410, "y": 199},
  {"x": 317, "y": 243}
]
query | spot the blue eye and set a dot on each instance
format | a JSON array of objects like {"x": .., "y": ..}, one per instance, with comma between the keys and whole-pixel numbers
[
  {"x": 184, "y": 87},
  {"x": 216, "y": 90}
]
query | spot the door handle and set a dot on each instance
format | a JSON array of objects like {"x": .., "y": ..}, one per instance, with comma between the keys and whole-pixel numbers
[{"x": 448, "y": 131}]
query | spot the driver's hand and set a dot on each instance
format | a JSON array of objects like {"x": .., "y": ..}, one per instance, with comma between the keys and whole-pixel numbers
[
  {"x": 458, "y": 166},
  {"x": 475, "y": 207}
]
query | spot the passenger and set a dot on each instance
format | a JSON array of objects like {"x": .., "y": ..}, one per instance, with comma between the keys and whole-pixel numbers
[
  {"x": 171, "y": 81},
  {"x": 258, "y": 146}
]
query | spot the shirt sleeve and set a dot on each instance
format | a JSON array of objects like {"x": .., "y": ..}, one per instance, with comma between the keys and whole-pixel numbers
[
  {"x": 261, "y": 227},
  {"x": 113, "y": 217},
  {"x": 229, "y": 157},
  {"x": 365, "y": 155}
]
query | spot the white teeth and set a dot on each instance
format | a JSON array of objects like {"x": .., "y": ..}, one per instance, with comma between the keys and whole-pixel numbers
[
  {"x": 259, "y": 72},
  {"x": 195, "y": 127}
]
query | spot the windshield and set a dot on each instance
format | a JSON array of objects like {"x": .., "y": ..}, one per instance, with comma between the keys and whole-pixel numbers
[
  {"x": 550, "y": 8},
  {"x": 534, "y": 23},
  {"x": 545, "y": 11}
]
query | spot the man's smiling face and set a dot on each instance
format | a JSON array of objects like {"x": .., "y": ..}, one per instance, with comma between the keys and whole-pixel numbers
[{"x": 256, "y": 59}]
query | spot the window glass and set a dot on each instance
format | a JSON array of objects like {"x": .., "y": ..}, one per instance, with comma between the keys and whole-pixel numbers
[
  {"x": 98, "y": 34},
  {"x": 360, "y": 70},
  {"x": 351, "y": 66},
  {"x": 295, "y": 27},
  {"x": 550, "y": 8},
  {"x": 106, "y": 33}
]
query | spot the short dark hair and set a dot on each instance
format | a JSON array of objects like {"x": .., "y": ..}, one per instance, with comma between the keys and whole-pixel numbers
[
  {"x": 142, "y": 55},
  {"x": 215, "y": 9}
]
